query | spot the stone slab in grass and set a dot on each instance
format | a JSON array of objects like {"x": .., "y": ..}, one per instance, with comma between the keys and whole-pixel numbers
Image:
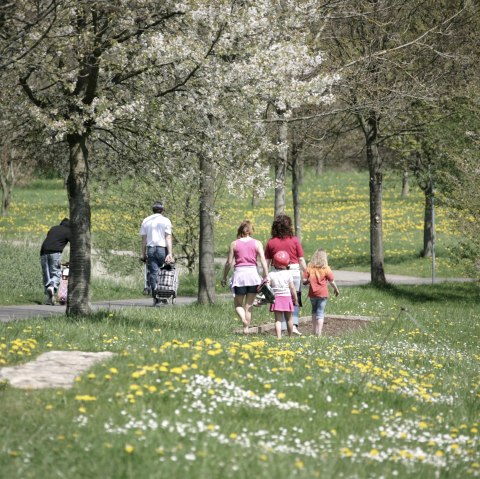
[{"x": 55, "y": 369}]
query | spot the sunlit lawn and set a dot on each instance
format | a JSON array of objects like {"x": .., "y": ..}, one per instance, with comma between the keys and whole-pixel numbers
[
  {"x": 334, "y": 215},
  {"x": 185, "y": 397}
]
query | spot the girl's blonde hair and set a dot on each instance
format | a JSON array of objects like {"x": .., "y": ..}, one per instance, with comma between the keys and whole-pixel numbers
[
  {"x": 319, "y": 259},
  {"x": 245, "y": 229}
]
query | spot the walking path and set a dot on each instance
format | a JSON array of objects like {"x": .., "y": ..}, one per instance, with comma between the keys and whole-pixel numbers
[
  {"x": 58, "y": 369},
  {"x": 342, "y": 278}
]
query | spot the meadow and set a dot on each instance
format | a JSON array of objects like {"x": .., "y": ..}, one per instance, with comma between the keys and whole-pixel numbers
[
  {"x": 334, "y": 215},
  {"x": 185, "y": 396}
]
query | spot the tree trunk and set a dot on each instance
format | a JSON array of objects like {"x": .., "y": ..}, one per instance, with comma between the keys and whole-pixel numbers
[
  {"x": 78, "y": 301},
  {"x": 281, "y": 169},
  {"x": 7, "y": 181},
  {"x": 377, "y": 269},
  {"x": 319, "y": 166},
  {"x": 428, "y": 222},
  {"x": 255, "y": 200},
  {"x": 296, "y": 182},
  {"x": 405, "y": 189},
  {"x": 6, "y": 198},
  {"x": 206, "y": 283}
]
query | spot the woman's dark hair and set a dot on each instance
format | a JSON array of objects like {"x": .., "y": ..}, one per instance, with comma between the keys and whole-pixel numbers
[{"x": 282, "y": 227}]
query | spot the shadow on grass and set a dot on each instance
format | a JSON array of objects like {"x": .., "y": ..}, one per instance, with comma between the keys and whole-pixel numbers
[
  {"x": 188, "y": 317},
  {"x": 363, "y": 260},
  {"x": 466, "y": 294}
]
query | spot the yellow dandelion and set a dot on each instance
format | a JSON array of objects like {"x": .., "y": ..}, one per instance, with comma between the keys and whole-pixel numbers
[
  {"x": 346, "y": 452},
  {"x": 299, "y": 464},
  {"x": 85, "y": 397}
]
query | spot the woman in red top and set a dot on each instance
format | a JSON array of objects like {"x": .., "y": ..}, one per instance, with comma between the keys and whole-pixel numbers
[
  {"x": 243, "y": 254},
  {"x": 318, "y": 275},
  {"x": 283, "y": 239}
]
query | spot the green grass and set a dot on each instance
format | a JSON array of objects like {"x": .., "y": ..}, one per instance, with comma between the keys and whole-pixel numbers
[
  {"x": 334, "y": 215},
  {"x": 186, "y": 397},
  {"x": 21, "y": 274}
]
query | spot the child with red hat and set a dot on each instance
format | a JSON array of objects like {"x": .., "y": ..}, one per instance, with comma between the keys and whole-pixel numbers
[{"x": 281, "y": 281}]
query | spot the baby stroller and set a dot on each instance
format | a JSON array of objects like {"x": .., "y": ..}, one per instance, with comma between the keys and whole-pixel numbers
[{"x": 63, "y": 286}]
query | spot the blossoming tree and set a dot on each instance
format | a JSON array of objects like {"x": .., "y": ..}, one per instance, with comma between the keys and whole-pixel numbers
[{"x": 92, "y": 72}]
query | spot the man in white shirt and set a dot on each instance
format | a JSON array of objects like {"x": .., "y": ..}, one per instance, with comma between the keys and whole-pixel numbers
[{"x": 156, "y": 233}]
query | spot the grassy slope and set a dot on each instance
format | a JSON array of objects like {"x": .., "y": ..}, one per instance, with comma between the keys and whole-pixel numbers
[
  {"x": 334, "y": 216},
  {"x": 185, "y": 397}
]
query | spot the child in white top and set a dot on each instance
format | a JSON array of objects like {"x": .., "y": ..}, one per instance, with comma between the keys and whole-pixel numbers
[{"x": 281, "y": 281}]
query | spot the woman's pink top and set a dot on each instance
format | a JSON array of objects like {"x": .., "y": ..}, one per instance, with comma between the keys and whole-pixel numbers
[{"x": 245, "y": 252}]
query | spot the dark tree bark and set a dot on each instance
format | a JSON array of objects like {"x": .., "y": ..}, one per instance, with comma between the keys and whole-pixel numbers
[
  {"x": 375, "y": 169},
  {"x": 78, "y": 302},
  {"x": 319, "y": 166},
  {"x": 7, "y": 181},
  {"x": 428, "y": 222},
  {"x": 296, "y": 182},
  {"x": 405, "y": 188},
  {"x": 206, "y": 283},
  {"x": 281, "y": 169}
]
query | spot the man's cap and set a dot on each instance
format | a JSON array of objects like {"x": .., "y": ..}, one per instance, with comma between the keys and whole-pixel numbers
[{"x": 158, "y": 205}]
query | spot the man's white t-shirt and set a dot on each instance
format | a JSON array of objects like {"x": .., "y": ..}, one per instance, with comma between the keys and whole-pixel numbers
[{"x": 155, "y": 227}]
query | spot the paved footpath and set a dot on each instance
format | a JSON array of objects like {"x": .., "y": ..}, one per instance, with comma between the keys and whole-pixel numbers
[
  {"x": 58, "y": 369},
  {"x": 342, "y": 278}
]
